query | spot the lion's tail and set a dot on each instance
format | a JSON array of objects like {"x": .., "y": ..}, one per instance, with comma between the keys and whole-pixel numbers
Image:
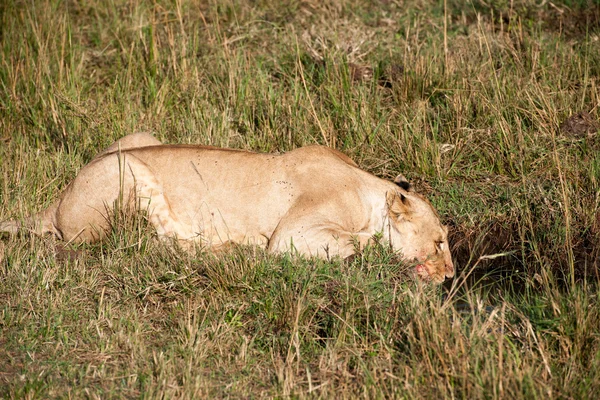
[
  {"x": 10, "y": 226},
  {"x": 40, "y": 223}
]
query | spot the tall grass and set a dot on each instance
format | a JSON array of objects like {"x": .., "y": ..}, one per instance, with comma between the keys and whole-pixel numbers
[{"x": 474, "y": 102}]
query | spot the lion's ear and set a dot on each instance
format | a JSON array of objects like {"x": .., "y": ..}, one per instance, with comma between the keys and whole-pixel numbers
[
  {"x": 399, "y": 206},
  {"x": 403, "y": 183}
]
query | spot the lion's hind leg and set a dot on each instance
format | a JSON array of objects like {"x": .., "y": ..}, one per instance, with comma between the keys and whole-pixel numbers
[
  {"x": 115, "y": 180},
  {"x": 131, "y": 141}
]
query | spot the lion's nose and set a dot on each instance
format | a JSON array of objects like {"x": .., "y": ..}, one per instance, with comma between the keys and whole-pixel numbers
[{"x": 450, "y": 270}]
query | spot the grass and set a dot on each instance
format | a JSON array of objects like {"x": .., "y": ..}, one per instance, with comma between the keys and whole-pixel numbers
[{"x": 493, "y": 113}]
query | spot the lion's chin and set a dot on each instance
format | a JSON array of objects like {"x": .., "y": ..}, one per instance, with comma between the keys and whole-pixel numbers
[{"x": 425, "y": 274}]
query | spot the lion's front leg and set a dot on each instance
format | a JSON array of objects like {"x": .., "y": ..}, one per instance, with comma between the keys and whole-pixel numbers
[{"x": 320, "y": 240}]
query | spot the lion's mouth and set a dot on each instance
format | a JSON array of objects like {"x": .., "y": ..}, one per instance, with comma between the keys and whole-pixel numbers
[{"x": 424, "y": 273}]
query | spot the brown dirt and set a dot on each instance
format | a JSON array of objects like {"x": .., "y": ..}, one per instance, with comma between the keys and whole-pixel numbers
[{"x": 580, "y": 125}]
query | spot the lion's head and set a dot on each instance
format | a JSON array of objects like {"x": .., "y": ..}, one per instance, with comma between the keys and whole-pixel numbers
[{"x": 415, "y": 229}]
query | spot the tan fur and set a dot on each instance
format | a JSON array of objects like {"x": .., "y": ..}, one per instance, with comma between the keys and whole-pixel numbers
[{"x": 313, "y": 200}]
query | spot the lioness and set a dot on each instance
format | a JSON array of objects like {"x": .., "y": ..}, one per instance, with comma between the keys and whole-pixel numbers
[{"x": 314, "y": 200}]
